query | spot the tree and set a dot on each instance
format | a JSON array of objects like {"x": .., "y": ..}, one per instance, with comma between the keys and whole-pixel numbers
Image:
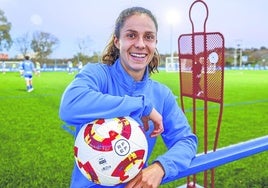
[
  {"x": 23, "y": 44},
  {"x": 43, "y": 44},
  {"x": 5, "y": 38}
]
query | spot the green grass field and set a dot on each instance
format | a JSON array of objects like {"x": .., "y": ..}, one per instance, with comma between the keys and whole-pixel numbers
[{"x": 37, "y": 152}]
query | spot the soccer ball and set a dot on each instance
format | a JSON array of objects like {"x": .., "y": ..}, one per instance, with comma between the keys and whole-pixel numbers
[{"x": 110, "y": 151}]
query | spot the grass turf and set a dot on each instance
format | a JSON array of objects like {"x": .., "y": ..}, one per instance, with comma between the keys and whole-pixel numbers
[{"x": 37, "y": 152}]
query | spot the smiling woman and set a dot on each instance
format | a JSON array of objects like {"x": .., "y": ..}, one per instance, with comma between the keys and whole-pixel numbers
[
  {"x": 36, "y": 19},
  {"x": 121, "y": 86}
]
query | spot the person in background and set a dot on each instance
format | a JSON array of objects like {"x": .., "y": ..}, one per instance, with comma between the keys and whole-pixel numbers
[
  {"x": 3, "y": 67},
  {"x": 20, "y": 69},
  {"x": 197, "y": 74},
  {"x": 79, "y": 66},
  {"x": 70, "y": 67},
  {"x": 38, "y": 68},
  {"x": 121, "y": 86},
  {"x": 28, "y": 68},
  {"x": 13, "y": 68}
]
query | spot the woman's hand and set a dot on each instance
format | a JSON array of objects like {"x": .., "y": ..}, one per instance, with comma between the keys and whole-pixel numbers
[
  {"x": 149, "y": 177},
  {"x": 156, "y": 117}
]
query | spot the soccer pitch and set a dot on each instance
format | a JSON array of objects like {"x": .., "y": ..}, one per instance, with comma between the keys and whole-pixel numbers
[{"x": 37, "y": 152}]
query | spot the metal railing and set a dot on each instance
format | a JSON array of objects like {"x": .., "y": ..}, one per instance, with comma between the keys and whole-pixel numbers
[{"x": 221, "y": 156}]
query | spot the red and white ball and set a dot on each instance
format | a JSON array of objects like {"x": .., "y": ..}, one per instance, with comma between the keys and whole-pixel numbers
[{"x": 111, "y": 151}]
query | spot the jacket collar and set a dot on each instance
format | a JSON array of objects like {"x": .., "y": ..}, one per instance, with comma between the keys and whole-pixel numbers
[{"x": 125, "y": 80}]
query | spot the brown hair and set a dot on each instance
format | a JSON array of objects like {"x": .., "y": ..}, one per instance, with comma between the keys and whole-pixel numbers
[{"x": 111, "y": 52}]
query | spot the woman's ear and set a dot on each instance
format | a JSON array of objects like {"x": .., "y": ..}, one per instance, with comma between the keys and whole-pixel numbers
[{"x": 116, "y": 42}]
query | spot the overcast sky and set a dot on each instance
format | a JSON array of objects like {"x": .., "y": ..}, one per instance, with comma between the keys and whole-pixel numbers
[{"x": 240, "y": 21}]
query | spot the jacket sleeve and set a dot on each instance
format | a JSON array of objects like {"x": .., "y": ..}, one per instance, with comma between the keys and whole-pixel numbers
[
  {"x": 87, "y": 98},
  {"x": 179, "y": 139}
]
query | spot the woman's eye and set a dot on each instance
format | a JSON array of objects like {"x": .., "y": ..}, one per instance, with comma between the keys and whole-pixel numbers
[
  {"x": 149, "y": 37},
  {"x": 131, "y": 35}
]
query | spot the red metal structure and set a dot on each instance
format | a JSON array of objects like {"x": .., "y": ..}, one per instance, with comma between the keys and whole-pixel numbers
[{"x": 201, "y": 65}]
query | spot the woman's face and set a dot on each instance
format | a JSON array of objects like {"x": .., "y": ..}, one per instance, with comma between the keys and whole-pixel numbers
[{"x": 137, "y": 43}]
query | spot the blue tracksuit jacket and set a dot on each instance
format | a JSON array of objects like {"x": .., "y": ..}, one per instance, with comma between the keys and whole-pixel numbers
[{"x": 107, "y": 91}]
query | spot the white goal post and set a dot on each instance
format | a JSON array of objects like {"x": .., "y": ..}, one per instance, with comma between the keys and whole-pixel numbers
[
  {"x": 172, "y": 64},
  {"x": 9, "y": 65}
]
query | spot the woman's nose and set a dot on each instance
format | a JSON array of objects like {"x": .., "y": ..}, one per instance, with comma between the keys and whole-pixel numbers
[{"x": 140, "y": 43}]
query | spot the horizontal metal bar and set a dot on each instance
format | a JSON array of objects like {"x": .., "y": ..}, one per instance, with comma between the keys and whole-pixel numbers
[{"x": 212, "y": 159}]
